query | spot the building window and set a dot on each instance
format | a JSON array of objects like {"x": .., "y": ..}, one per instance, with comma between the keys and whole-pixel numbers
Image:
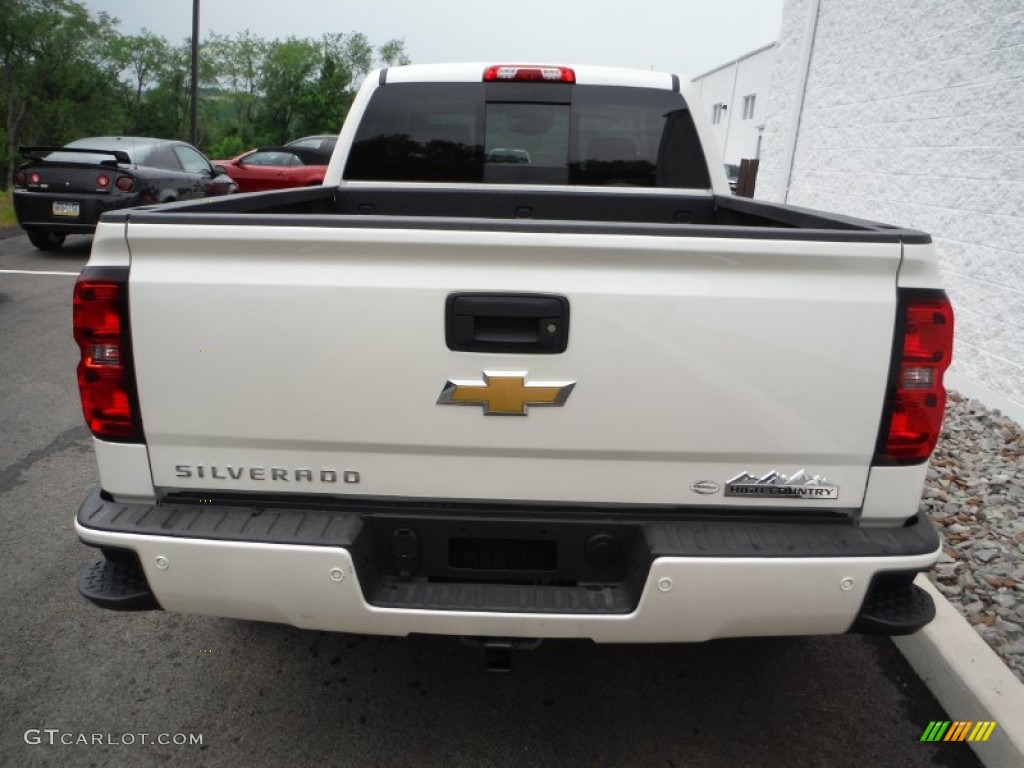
[
  {"x": 748, "y": 106},
  {"x": 716, "y": 113}
]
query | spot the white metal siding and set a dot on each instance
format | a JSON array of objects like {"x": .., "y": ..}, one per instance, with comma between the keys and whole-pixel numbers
[{"x": 914, "y": 114}]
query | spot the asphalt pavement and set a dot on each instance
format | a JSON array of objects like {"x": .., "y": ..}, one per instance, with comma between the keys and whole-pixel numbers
[{"x": 269, "y": 695}]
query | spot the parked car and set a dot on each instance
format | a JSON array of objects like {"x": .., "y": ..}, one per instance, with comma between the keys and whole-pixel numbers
[
  {"x": 276, "y": 168},
  {"x": 323, "y": 145},
  {"x": 62, "y": 191}
]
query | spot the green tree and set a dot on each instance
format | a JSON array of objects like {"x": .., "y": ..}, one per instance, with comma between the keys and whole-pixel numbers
[
  {"x": 355, "y": 52},
  {"x": 163, "y": 110},
  {"x": 141, "y": 60},
  {"x": 308, "y": 86},
  {"x": 326, "y": 99},
  {"x": 58, "y": 81},
  {"x": 285, "y": 81},
  {"x": 240, "y": 61},
  {"x": 392, "y": 53}
]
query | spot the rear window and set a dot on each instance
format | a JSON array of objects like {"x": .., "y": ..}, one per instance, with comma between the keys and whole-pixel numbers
[
  {"x": 528, "y": 134},
  {"x": 138, "y": 151},
  {"x": 272, "y": 158}
]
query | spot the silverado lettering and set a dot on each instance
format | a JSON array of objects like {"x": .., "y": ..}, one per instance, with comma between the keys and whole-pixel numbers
[{"x": 186, "y": 471}]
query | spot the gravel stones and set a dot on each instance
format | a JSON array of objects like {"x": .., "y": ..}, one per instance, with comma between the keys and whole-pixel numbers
[
  {"x": 974, "y": 493},
  {"x": 985, "y": 555}
]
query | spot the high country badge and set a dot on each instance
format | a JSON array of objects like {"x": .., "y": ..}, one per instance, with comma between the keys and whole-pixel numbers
[{"x": 774, "y": 485}]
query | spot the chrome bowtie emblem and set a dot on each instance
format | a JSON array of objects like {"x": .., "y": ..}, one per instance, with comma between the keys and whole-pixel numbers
[
  {"x": 505, "y": 393},
  {"x": 775, "y": 485}
]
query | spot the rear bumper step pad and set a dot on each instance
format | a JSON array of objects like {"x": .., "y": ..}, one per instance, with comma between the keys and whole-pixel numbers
[
  {"x": 119, "y": 585},
  {"x": 893, "y": 609},
  {"x": 340, "y": 526}
]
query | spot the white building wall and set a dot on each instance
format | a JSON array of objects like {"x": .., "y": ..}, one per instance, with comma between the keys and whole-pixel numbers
[
  {"x": 913, "y": 114},
  {"x": 737, "y": 136}
]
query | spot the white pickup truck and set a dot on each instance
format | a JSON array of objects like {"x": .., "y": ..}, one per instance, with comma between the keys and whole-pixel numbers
[{"x": 521, "y": 368}]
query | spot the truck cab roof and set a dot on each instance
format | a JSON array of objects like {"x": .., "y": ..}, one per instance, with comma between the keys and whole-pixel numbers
[{"x": 585, "y": 74}]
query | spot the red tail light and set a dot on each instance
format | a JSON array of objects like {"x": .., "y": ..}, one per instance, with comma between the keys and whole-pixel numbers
[
  {"x": 102, "y": 183},
  {"x": 19, "y": 179},
  {"x": 514, "y": 72},
  {"x": 125, "y": 183},
  {"x": 106, "y": 380},
  {"x": 917, "y": 395},
  {"x": 34, "y": 178}
]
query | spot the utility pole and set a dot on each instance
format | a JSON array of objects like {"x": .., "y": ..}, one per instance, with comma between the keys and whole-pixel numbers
[{"x": 194, "y": 89}]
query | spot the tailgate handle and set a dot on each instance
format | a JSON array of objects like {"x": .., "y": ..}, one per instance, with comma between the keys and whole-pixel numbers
[{"x": 529, "y": 323}]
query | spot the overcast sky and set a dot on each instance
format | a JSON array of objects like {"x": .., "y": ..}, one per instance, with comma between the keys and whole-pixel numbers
[{"x": 687, "y": 37}]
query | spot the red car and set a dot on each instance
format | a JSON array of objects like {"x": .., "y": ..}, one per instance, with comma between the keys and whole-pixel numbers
[{"x": 275, "y": 168}]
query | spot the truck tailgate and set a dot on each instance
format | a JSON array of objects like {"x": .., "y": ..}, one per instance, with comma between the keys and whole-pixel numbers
[{"x": 312, "y": 359}]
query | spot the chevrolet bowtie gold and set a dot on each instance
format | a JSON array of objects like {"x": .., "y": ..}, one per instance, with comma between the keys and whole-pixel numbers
[{"x": 506, "y": 393}]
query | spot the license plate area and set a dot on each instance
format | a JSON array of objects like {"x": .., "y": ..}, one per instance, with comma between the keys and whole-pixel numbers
[
  {"x": 65, "y": 209},
  {"x": 508, "y": 566},
  {"x": 502, "y": 554},
  {"x": 459, "y": 550}
]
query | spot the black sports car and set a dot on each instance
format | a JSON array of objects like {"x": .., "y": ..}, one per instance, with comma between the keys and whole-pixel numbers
[
  {"x": 323, "y": 146},
  {"x": 63, "y": 190}
]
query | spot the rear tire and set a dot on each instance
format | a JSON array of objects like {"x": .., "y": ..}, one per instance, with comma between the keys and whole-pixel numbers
[{"x": 45, "y": 241}]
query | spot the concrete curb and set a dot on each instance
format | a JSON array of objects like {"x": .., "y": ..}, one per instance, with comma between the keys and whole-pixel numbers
[{"x": 970, "y": 681}]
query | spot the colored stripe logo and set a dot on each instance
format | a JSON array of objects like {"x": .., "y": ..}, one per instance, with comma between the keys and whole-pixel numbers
[{"x": 958, "y": 730}]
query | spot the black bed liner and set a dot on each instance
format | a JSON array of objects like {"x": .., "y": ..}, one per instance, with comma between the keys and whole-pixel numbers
[{"x": 512, "y": 209}]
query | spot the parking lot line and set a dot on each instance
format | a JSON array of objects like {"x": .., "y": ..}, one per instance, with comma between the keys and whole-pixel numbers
[{"x": 35, "y": 272}]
